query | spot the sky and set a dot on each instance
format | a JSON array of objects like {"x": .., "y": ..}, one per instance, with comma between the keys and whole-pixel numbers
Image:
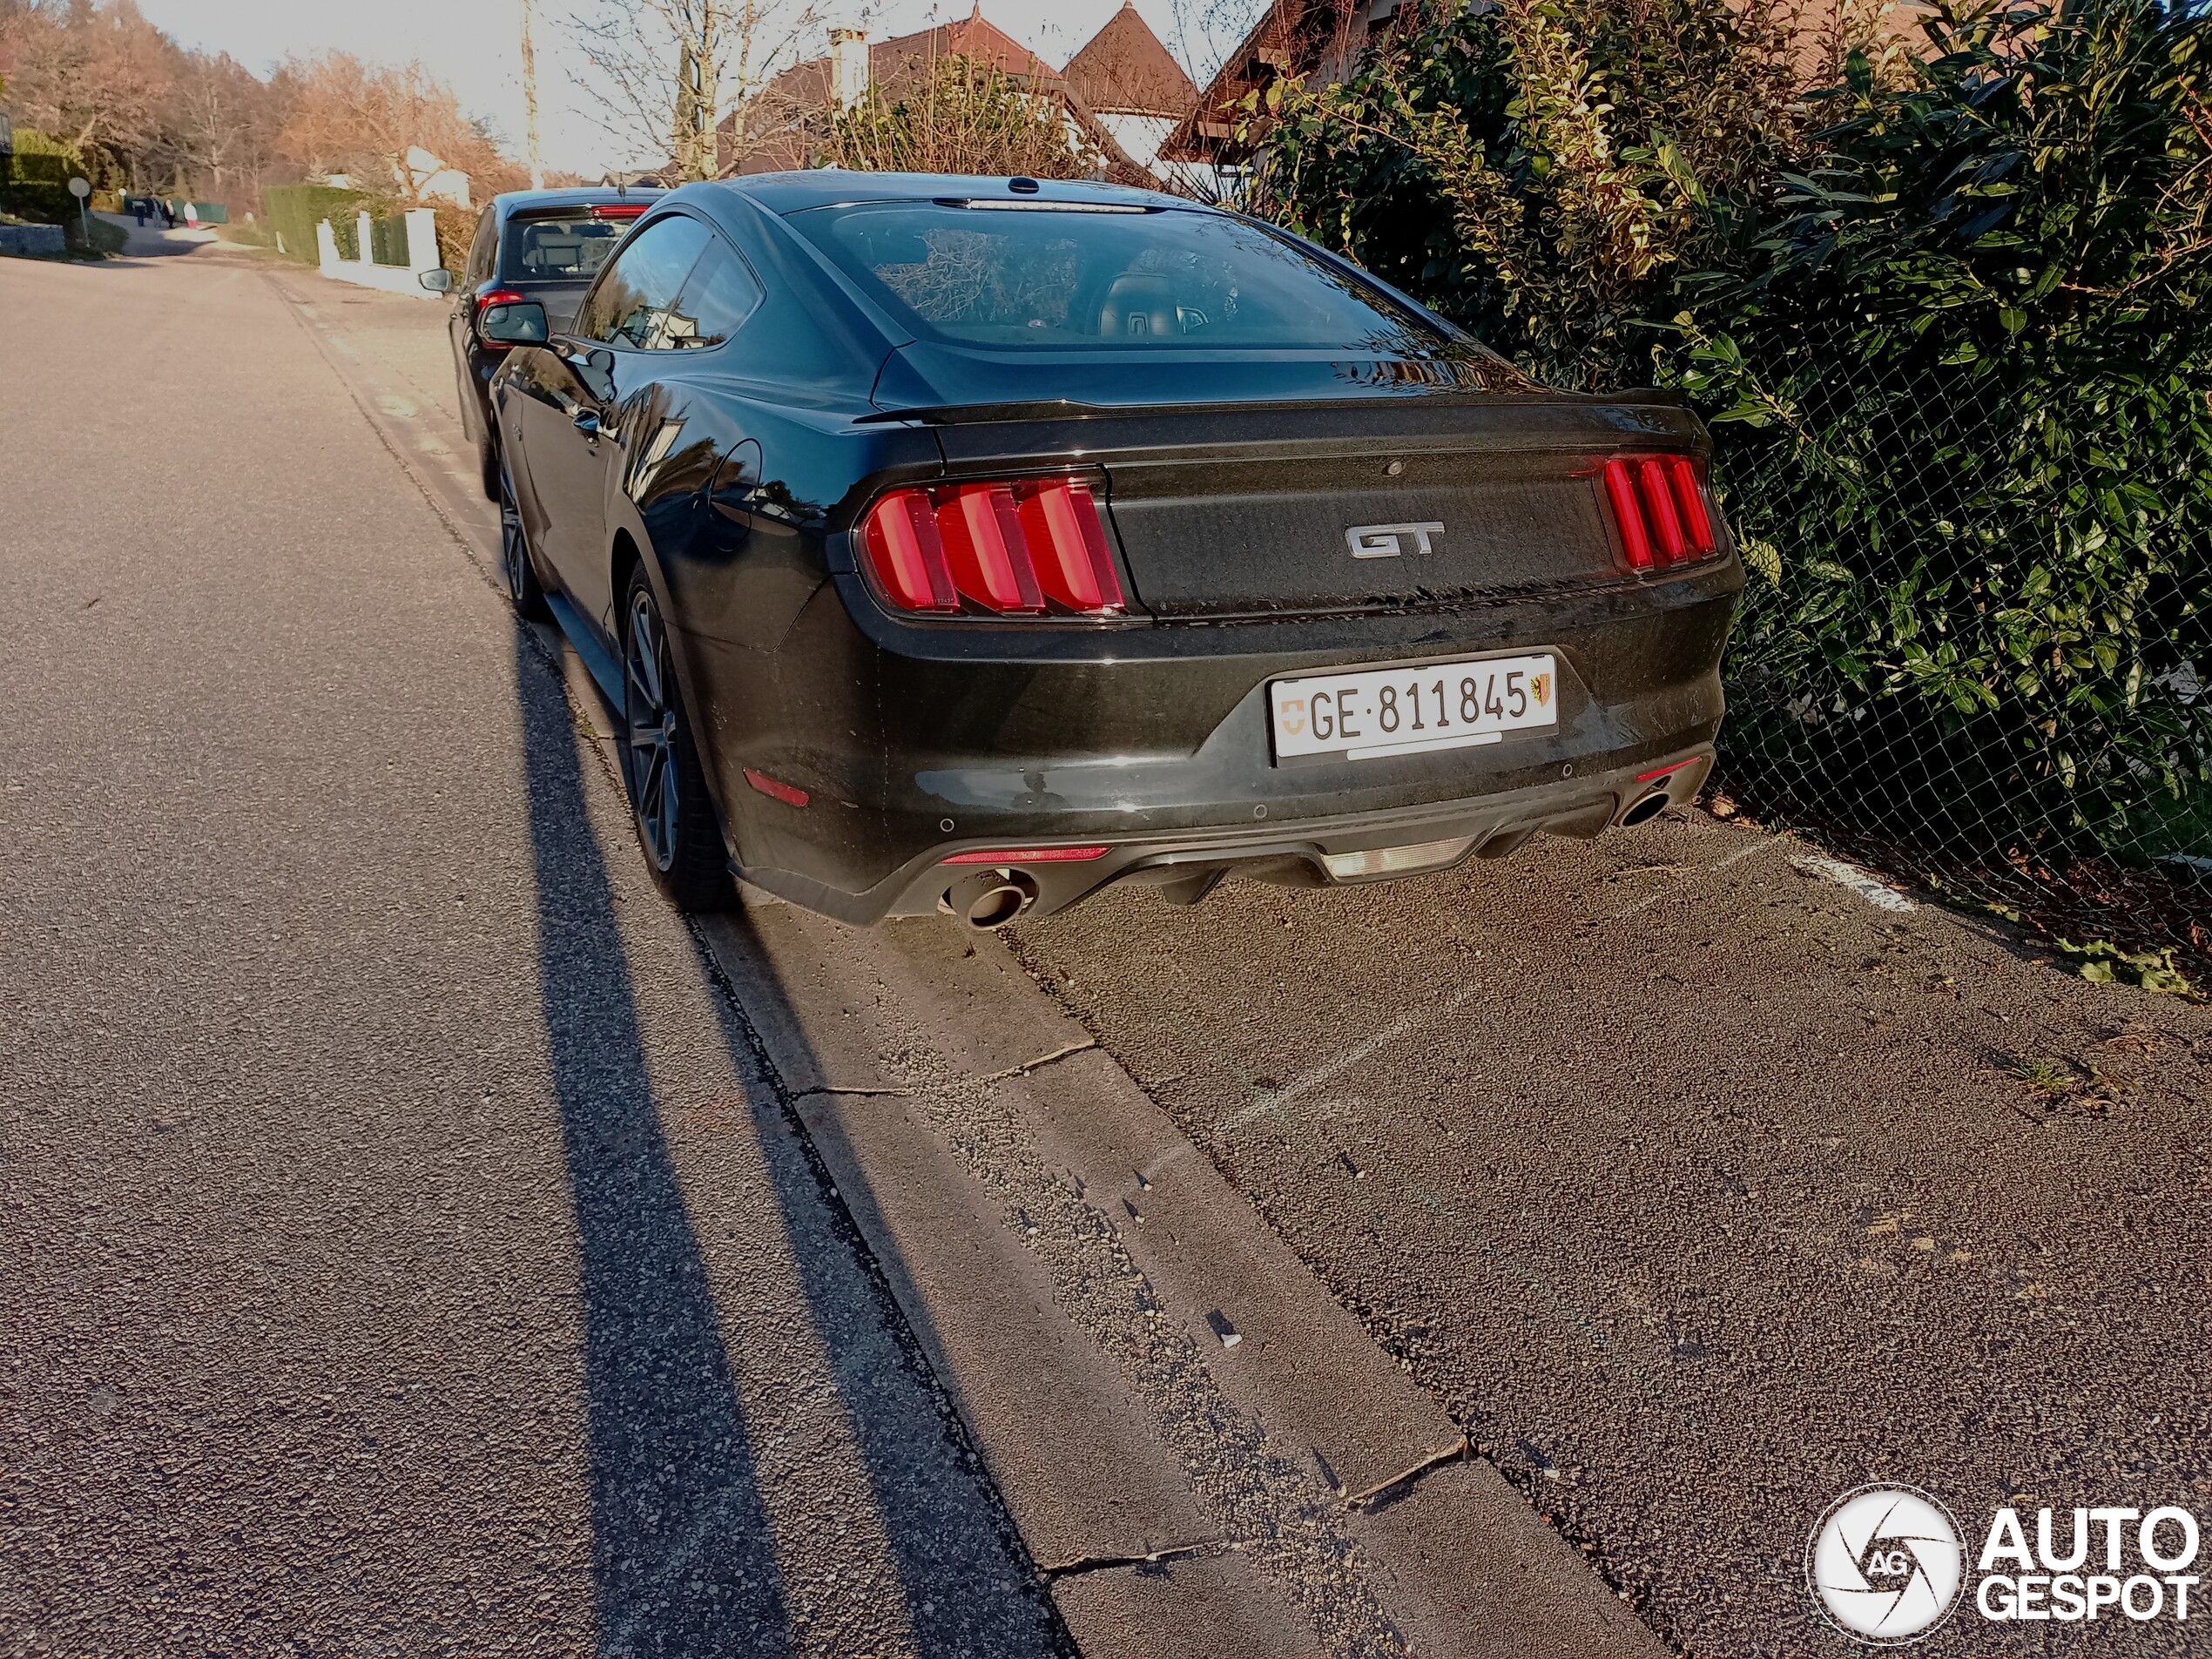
[{"x": 473, "y": 46}]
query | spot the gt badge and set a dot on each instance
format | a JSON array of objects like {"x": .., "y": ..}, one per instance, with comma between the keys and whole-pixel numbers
[{"x": 1380, "y": 541}]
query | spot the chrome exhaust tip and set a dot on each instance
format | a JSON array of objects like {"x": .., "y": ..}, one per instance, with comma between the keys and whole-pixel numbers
[{"x": 987, "y": 900}]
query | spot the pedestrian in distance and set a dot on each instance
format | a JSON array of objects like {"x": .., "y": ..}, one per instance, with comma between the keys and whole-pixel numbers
[{"x": 138, "y": 206}]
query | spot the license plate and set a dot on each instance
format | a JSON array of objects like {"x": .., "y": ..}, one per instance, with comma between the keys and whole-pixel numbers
[{"x": 1365, "y": 715}]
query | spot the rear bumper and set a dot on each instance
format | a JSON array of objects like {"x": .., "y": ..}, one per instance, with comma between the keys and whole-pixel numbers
[
  {"x": 1154, "y": 743},
  {"x": 1351, "y": 849}
]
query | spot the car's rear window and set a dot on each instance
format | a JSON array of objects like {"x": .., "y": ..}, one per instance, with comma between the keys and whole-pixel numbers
[
  {"x": 568, "y": 249},
  {"x": 1043, "y": 279}
]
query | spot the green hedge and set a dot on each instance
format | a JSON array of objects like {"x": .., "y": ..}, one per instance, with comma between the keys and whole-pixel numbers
[
  {"x": 293, "y": 211},
  {"x": 1951, "y": 321},
  {"x": 34, "y": 182},
  {"x": 387, "y": 240}
]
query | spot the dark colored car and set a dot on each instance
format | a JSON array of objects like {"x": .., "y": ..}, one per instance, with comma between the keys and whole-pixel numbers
[
  {"x": 532, "y": 248},
  {"x": 971, "y": 543}
]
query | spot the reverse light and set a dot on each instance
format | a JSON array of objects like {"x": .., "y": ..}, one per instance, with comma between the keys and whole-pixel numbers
[
  {"x": 1659, "y": 503},
  {"x": 1013, "y": 549},
  {"x": 1032, "y": 855}
]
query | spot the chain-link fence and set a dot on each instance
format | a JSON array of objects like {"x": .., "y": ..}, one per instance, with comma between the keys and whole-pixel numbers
[{"x": 1976, "y": 644}]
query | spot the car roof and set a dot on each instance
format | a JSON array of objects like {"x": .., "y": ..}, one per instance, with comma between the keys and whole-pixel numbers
[
  {"x": 794, "y": 193},
  {"x": 510, "y": 202}
]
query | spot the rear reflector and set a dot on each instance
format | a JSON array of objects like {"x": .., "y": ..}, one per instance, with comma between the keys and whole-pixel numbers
[
  {"x": 1011, "y": 549},
  {"x": 1033, "y": 855},
  {"x": 1668, "y": 772},
  {"x": 775, "y": 789},
  {"x": 1659, "y": 503}
]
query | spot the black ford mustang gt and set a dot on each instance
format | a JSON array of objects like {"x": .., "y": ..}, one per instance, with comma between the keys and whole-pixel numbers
[{"x": 970, "y": 544}]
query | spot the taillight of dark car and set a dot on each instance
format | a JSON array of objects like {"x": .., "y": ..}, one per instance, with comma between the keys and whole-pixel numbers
[
  {"x": 1659, "y": 502},
  {"x": 1028, "y": 548}
]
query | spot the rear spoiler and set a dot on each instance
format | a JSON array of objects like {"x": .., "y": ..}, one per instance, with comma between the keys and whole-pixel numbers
[{"x": 1069, "y": 409}]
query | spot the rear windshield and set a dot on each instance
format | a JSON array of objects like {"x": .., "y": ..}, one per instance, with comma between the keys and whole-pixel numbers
[
  {"x": 558, "y": 250},
  {"x": 1049, "y": 281}
]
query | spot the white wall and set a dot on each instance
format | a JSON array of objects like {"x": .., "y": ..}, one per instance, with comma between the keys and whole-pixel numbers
[{"x": 421, "y": 255}]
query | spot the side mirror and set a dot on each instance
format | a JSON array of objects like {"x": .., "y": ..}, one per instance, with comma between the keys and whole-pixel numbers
[
  {"x": 514, "y": 322},
  {"x": 437, "y": 282}
]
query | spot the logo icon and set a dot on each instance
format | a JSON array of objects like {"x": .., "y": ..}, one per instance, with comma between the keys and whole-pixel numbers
[
  {"x": 1380, "y": 541},
  {"x": 1540, "y": 687},
  {"x": 1885, "y": 1565}
]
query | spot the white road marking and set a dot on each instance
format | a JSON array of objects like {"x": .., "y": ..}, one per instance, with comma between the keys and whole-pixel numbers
[{"x": 1859, "y": 881}]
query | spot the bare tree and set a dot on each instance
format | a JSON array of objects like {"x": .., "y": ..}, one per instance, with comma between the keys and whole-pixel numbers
[
  {"x": 219, "y": 128},
  {"x": 959, "y": 116},
  {"x": 667, "y": 72},
  {"x": 96, "y": 76},
  {"x": 343, "y": 116}
]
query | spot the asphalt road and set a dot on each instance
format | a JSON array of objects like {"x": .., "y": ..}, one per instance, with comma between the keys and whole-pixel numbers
[
  {"x": 399, "y": 1254},
  {"x": 1702, "y": 1190}
]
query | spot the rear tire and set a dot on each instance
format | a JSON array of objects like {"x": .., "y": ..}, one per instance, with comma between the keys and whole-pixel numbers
[
  {"x": 669, "y": 806},
  {"x": 488, "y": 464},
  {"x": 514, "y": 557}
]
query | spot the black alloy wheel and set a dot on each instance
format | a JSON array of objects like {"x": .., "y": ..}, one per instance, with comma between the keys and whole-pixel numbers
[
  {"x": 514, "y": 557},
  {"x": 676, "y": 826}
]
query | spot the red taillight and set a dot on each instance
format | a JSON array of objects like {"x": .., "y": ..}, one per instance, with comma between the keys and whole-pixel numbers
[
  {"x": 1659, "y": 503},
  {"x": 1033, "y": 855},
  {"x": 1017, "y": 550}
]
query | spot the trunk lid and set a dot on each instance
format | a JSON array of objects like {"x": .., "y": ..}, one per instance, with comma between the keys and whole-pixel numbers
[{"x": 1232, "y": 510}]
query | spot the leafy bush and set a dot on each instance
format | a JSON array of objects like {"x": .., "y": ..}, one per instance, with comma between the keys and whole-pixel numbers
[
  {"x": 34, "y": 181},
  {"x": 1965, "y": 379},
  {"x": 963, "y": 116},
  {"x": 1952, "y": 320},
  {"x": 293, "y": 211},
  {"x": 1539, "y": 170}
]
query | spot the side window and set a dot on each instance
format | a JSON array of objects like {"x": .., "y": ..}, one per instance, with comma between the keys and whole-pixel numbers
[
  {"x": 720, "y": 293},
  {"x": 630, "y": 303},
  {"x": 479, "y": 251}
]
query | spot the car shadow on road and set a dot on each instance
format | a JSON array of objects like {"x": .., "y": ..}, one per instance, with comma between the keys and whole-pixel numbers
[{"x": 684, "y": 1556}]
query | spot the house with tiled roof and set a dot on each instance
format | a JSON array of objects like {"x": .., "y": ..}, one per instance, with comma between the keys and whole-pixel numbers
[
  {"x": 1122, "y": 95},
  {"x": 1133, "y": 87},
  {"x": 778, "y": 120},
  {"x": 1303, "y": 40}
]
